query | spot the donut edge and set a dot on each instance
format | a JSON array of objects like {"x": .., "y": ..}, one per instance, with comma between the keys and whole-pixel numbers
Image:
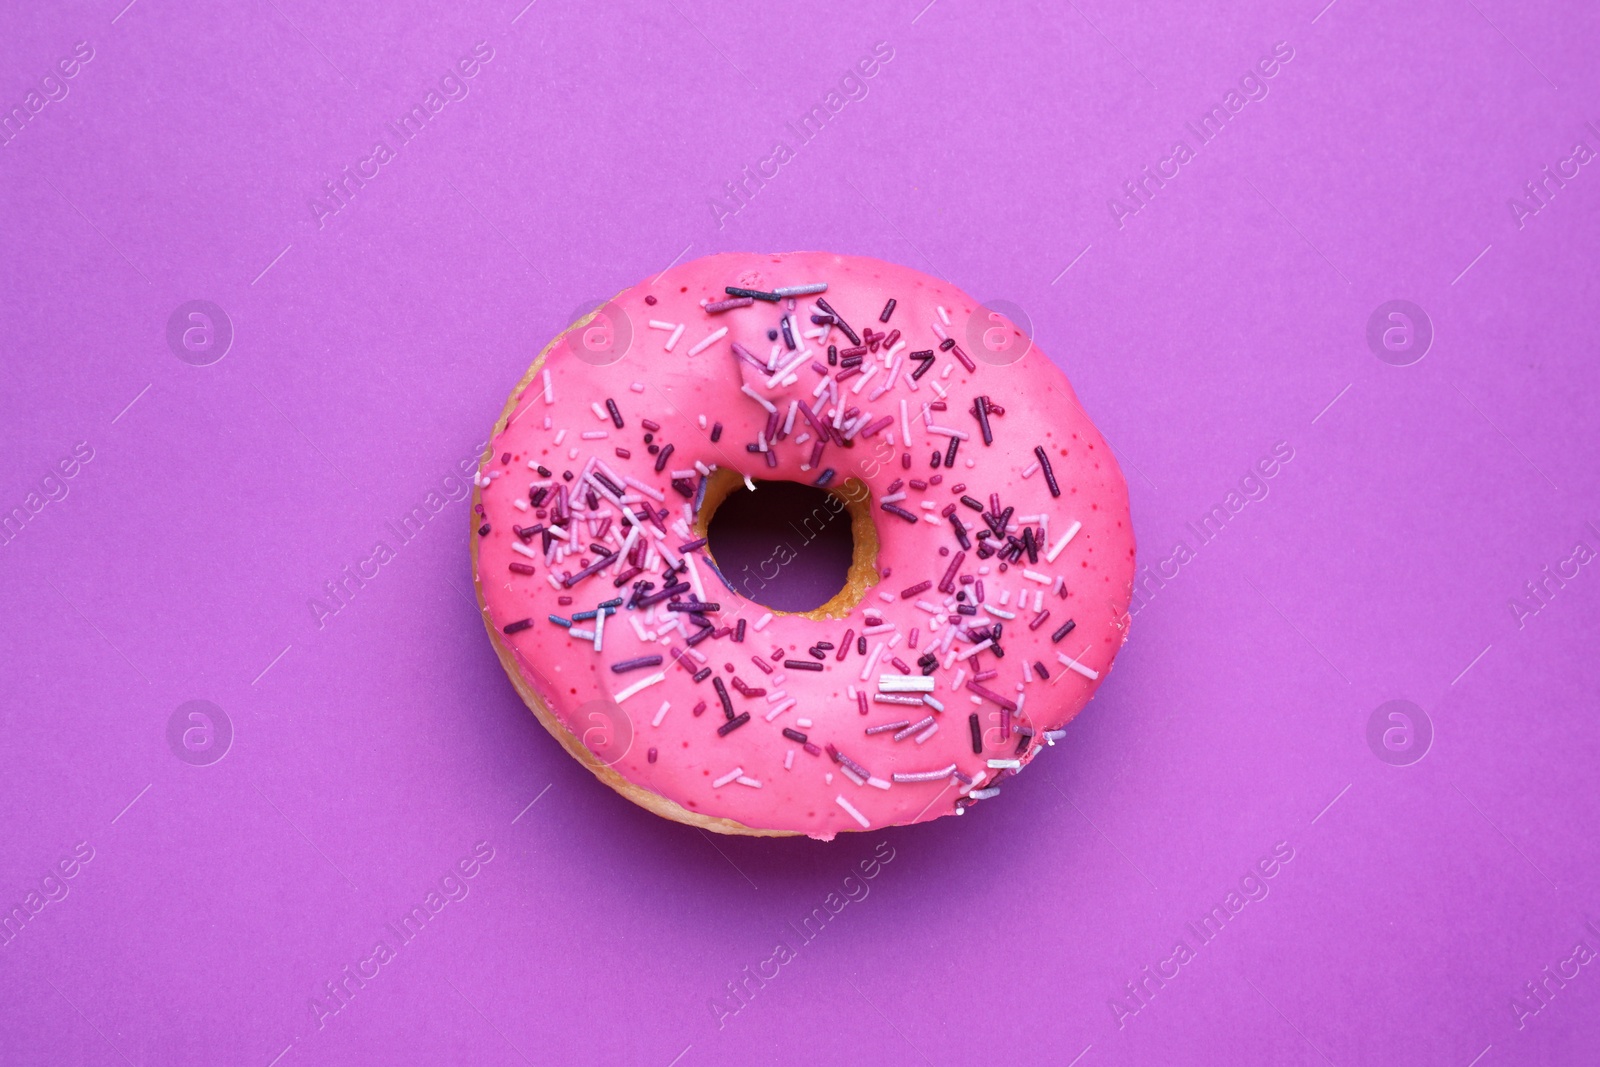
[{"x": 644, "y": 798}]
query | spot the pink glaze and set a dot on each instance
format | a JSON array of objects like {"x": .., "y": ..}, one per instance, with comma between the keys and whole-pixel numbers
[{"x": 675, "y": 389}]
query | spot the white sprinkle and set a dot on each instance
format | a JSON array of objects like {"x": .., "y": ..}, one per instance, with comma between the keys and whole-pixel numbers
[
  {"x": 788, "y": 759},
  {"x": 929, "y": 732},
  {"x": 944, "y": 315},
  {"x": 878, "y": 783},
  {"x": 519, "y": 503},
  {"x": 580, "y": 635},
  {"x": 761, "y": 623},
  {"x": 854, "y": 814},
  {"x": 599, "y": 412},
  {"x": 758, "y": 398},
  {"x": 518, "y": 546},
  {"x": 644, "y": 683},
  {"x": 1088, "y": 672},
  {"x": 751, "y": 782},
  {"x": 731, "y": 776},
  {"x": 805, "y": 724},
  {"x": 927, "y": 698},
  {"x": 974, "y": 650},
  {"x": 637, "y": 387},
  {"x": 661, "y": 712},
  {"x": 1027, "y": 472},
  {"x": 802, "y": 290},
  {"x": 1034, "y": 576},
  {"x": 905, "y": 683},
  {"x": 711, "y": 339},
  {"x": 657, "y": 324},
  {"x": 594, "y": 435},
  {"x": 780, "y": 709},
  {"x": 1066, "y": 538},
  {"x": 560, "y": 435},
  {"x": 1014, "y": 764},
  {"x": 872, "y": 661},
  {"x": 992, "y": 610}
]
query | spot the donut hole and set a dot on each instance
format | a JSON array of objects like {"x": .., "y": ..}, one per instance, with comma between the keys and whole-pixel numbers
[{"x": 786, "y": 546}]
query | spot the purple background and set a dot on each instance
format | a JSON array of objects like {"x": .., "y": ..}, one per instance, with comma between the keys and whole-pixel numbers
[{"x": 371, "y": 354}]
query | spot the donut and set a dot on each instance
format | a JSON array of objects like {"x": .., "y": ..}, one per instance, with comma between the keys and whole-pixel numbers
[{"x": 991, "y": 565}]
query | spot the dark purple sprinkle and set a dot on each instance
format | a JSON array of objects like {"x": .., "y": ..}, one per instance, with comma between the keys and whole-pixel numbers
[
  {"x": 838, "y": 320},
  {"x": 700, "y": 676},
  {"x": 1044, "y": 465},
  {"x": 861, "y": 647},
  {"x": 483, "y": 531},
  {"x": 827, "y": 476},
  {"x": 716, "y": 432},
  {"x": 977, "y": 733},
  {"x": 722, "y": 695},
  {"x": 788, "y": 334},
  {"x": 700, "y": 635},
  {"x": 1039, "y": 619},
  {"x": 733, "y": 724},
  {"x": 833, "y": 355},
  {"x": 1066, "y": 628},
  {"x": 961, "y": 531},
  {"x": 896, "y": 509},
  {"x": 754, "y": 294},
  {"x": 950, "y": 456},
  {"x": 661, "y": 458},
  {"x": 794, "y": 735},
  {"x": 966, "y": 360},
  {"x": 738, "y": 632},
  {"x": 516, "y": 627},
  {"x": 634, "y": 664},
  {"x": 521, "y": 568},
  {"x": 616, "y": 416},
  {"x": 802, "y": 665},
  {"x": 651, "y": 755},
  {"x": 690, "y": 546},
  {"x": 980, "y": 411},
  {"x": 888, "y": 309}
]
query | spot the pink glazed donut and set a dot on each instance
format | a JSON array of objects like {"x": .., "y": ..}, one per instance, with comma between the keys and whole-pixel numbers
[{"x": 992, "y": 564}]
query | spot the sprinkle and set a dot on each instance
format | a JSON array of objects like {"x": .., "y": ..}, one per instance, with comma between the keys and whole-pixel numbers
[
  {"x": 926, "y": 776},
  {"x": 1088, "y": 672},
  {"x": 518, "y": 546},
  {"x": 889, "y": 727},
  {"x": 616, "y": 416},
  {"x": 635, "y": 664},
  {"x": 516, "y": 627},
  {"x": 924, "y": 735},
  {"x": 758, "y": 398},
  {"x": 753, "y": 783},
  {"x": 1066, "y": 628},
  {"x": 909, "y": 730},
  {"x": 991, "y": 695},
  {"x": 1011, "y": 764},
  {"x": 838, "y": 319},
  {"x": 728, "y": 305},
  {"x": 977, "y": 733},
  {"x": 985, "y": 794},
  {"x": 676, "y": 333},
  {"x": 711, "y": 339},
  {"x": 1066, "y": 538},
  {"x": 975, "y": 649},
  {"x": 731, "y": 776},
  {"x": 733, "y": 724},
  {"x": 802, "y": 665},
  {"x": 801, "y": 290},
  {"x": 661, "y": 713},
  {"x": 639, "y": 685},
  {"x": 944, "y": 315},
  {"x": 847, "y": 806},
  {"x": 1049, "y": 474},
  {"x": 888, "y": 309},
  {"x": 761, "y": 623},
  {"x": 903, "y": 683},
  {"x": 755, "y": 294},
  {"x": 657, "y": 324}
]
